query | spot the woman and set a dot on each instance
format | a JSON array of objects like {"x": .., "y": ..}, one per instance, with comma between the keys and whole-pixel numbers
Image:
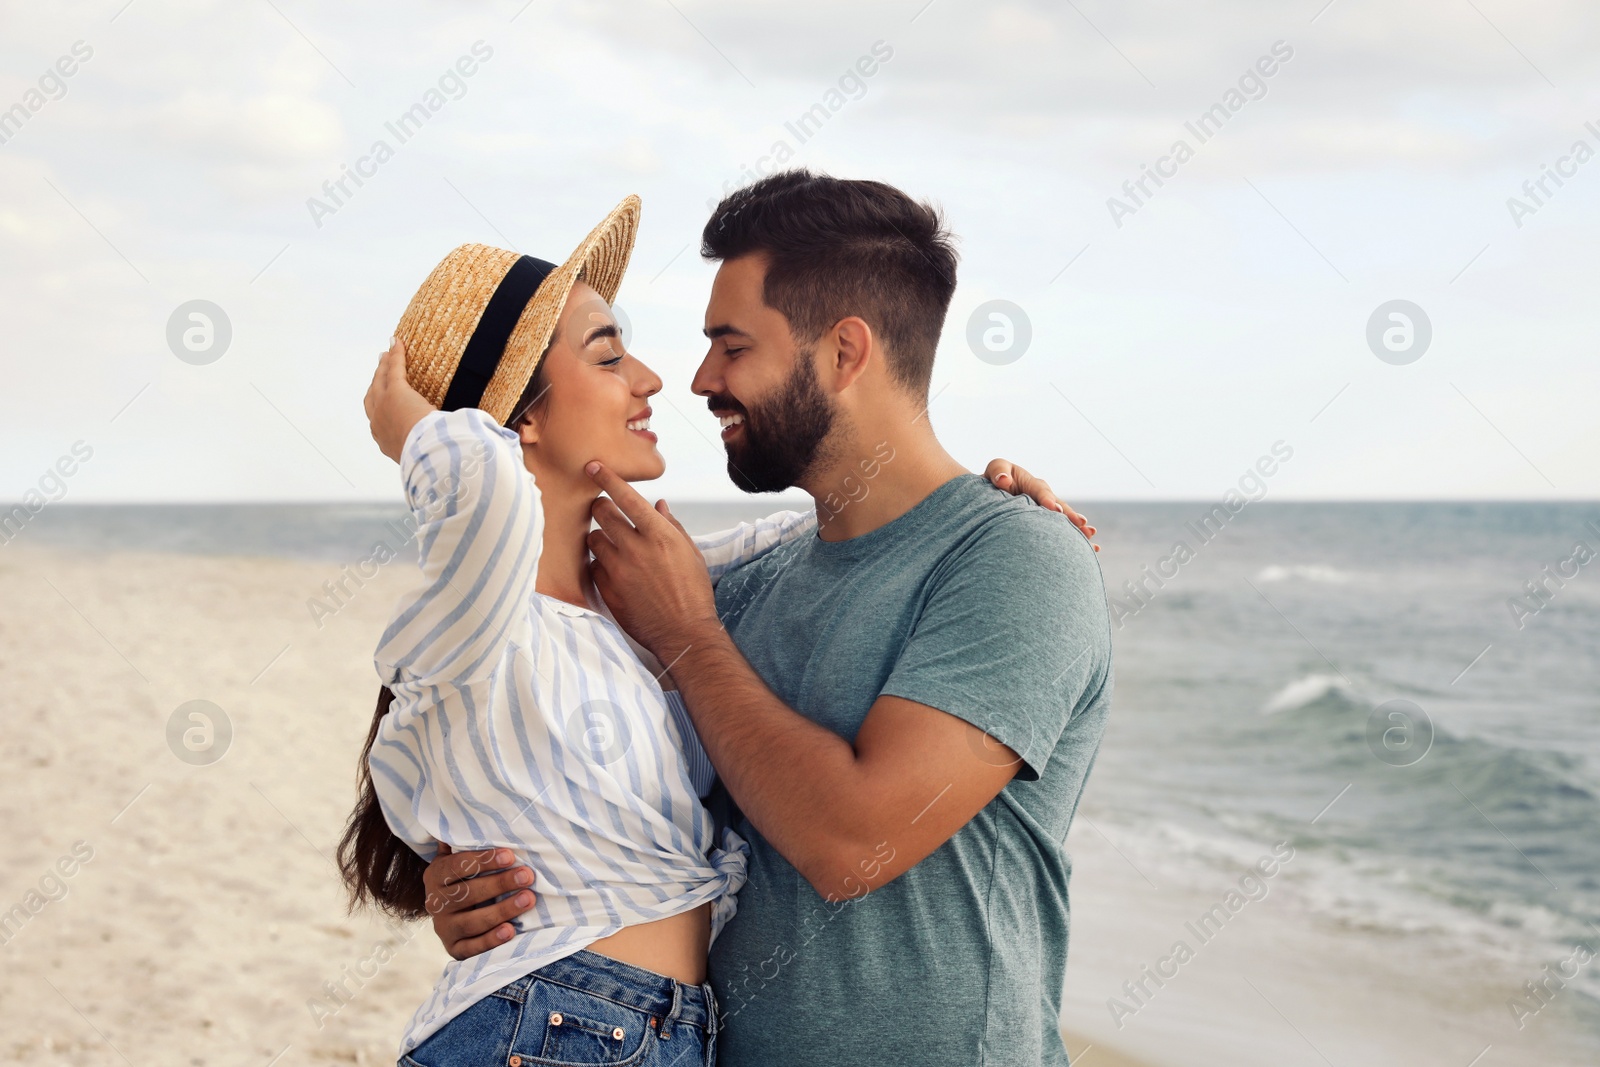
[{"x": 516, "y": 714}]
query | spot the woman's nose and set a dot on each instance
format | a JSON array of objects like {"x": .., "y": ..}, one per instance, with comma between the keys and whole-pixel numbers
[{"x": 647, "y": 382}]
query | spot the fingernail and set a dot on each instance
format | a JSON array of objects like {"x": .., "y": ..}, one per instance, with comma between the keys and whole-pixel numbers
[
  {"x": 592, "y": 469},
  {"x": 523, "y": 877},
  {"x": 502, "y": 934},
  {"x": 1002, "y": 477},
  {"x": 525, "y": 900},
  {"x": 502, "y": 856}
]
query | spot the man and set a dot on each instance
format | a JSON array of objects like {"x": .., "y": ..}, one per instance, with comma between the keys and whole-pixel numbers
[{"x": 903, "y": 708}]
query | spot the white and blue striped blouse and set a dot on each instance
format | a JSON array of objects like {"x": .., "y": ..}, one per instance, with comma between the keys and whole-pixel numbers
[{"x": 524, "y": 722}]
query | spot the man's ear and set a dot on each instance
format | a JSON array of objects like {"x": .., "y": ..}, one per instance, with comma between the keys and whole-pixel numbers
[{"x": 853, "y": 342}]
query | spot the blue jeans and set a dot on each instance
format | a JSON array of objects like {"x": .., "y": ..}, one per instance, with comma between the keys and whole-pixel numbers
[{"x": 585, "y": 1009}]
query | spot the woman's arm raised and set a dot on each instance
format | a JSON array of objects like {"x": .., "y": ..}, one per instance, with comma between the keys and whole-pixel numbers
[{"x": 479, "y": 530}]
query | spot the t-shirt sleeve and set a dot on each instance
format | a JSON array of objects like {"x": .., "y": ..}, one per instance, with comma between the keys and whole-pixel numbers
[{"x": 1013, "y": 637}]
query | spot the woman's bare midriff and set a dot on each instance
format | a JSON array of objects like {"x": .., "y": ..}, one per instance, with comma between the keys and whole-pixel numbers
[{"x": 675, "y": 947}]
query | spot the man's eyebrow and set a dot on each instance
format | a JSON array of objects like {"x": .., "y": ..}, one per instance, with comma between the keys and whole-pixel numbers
[{"x": 724, "y": 330}]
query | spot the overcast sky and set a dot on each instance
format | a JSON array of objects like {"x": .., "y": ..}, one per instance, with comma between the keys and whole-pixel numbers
[{"x": 1176, "y": 335}]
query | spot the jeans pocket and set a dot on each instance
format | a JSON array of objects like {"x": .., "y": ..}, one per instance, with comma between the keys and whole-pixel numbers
[
  {"x": 480, "y": 1034},
  {"x": 565, "y": 1027}
]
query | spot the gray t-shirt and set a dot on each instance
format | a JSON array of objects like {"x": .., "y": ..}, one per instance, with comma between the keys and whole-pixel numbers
[{"x": 987, "y": 607}]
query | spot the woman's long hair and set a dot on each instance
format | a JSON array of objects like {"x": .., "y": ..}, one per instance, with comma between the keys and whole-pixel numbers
[{"x": 378, "y": 868}]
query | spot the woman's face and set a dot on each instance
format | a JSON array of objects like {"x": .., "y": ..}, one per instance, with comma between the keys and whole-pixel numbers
[{"x": 595, "y": 403}]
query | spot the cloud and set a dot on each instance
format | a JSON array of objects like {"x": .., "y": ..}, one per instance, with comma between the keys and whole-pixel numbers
[
  {"x": 1389, "y": 143},
  {"x": 276, "y": 128},
  {"x": 1022, "y": 65}
]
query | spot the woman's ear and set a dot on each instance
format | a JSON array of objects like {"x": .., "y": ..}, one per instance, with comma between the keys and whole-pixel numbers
[{"x": 528, "y": 429}]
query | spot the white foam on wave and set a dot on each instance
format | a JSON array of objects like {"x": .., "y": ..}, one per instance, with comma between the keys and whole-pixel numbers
[
  {"x": 1383, "y": 898},
  {"x": 1303, "y": 691},
  {"x": 1172, "y": 851},
  {"x": 1308, "y": 572},
  {"x": 1378, "y": 896}
]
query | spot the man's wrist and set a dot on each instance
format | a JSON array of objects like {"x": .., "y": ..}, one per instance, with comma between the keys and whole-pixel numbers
[{"x": 692, "y": 644}]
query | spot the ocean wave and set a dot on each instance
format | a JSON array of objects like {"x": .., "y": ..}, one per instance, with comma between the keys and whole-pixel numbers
[
  {"x": 1309, "y": 572},
  {"x": 1373, "y": 893},
  {"x": 1353, "y": 889},
  {"x": 1327, "y": 720},
  {"x": 1412, "y": 850},
  {"x": 1180, "y": 854},
  {"x": 1304, "y": 692},
  {"x": 1406, "y": 897}
]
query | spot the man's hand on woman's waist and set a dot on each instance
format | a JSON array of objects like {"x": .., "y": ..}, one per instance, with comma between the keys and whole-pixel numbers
[{"x": 462, "y": 890}]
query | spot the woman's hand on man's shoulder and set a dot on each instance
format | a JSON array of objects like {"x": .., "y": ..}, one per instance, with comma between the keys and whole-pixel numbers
[{"x": 1018, "y": 482}]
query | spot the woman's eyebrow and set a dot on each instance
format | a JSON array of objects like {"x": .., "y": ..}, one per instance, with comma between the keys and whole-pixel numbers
[{"x": 607, "y": 330}]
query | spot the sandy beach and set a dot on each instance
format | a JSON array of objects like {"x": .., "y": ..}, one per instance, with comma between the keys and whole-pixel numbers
[
  {"x": 202, "y": 921},
  {"x": 207, "y": 925}
]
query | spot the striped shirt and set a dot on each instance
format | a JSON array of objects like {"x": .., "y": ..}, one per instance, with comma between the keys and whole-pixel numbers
[{"x": 524, "y": 722}]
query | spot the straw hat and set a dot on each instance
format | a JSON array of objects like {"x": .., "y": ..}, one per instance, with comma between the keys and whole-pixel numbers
[{"x": 477, "y": 328}]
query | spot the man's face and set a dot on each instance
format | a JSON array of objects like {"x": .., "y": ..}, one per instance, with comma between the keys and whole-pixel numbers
[{"x": 761, "y": 384}]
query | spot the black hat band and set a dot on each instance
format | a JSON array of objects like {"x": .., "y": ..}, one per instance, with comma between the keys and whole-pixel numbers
[{"x": 488, "y": 341}]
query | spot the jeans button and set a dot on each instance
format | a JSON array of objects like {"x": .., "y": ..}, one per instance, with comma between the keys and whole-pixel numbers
[
  {"x": 555, "y": 1018},
  {"x": 515, "y": 1061},
  {"x": 618, "y": 1033}
]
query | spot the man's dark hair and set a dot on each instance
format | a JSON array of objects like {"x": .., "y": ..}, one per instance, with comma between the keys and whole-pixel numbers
[{"x": 838, "y": 248}]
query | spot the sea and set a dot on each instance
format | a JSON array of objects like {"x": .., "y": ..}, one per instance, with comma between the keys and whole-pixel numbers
[{"x": 1409, "y": 692}]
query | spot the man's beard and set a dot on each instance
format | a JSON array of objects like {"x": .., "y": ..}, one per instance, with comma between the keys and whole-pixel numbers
[{"x": 783, "y": 436}]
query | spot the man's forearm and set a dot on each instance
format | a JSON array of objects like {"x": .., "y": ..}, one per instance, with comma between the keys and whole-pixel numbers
[{"x": 799, "y": 783}]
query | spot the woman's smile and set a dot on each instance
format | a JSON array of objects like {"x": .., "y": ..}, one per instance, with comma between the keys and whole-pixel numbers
[{"x": 640, "y": 424}]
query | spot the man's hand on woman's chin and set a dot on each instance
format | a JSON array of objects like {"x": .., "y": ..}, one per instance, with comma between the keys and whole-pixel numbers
[
  {"x": 462, "y": 890},
  {"x": 648, "y": 569}
]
